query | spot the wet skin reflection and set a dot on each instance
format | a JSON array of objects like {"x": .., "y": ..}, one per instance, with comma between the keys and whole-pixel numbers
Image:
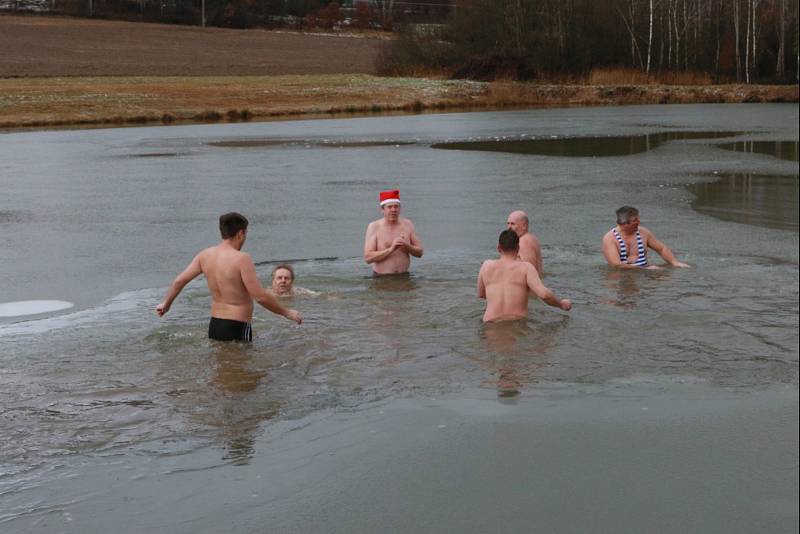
[
  {"x": 514, "y": 351},
  {"x": 623, "y": 284},
  {"x": 398, "y": 283},
  {"x": 240, "y": 409},
  {"x": 392, "y": 298}
]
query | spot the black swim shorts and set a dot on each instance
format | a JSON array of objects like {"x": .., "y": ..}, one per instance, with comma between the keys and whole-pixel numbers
[{"x": 229, "y": 330}]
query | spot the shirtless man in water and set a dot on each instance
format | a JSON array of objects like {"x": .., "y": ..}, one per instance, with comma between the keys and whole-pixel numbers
[
  {"x": 529, "y": 248},
  {"x": 232, "y": 280},
  {"x": 625, "y": 246},
  {"x": 505, "y": 283},
  {"x": 391, "y": 241}
]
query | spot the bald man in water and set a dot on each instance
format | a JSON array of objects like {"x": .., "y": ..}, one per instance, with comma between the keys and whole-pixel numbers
[
  {"x": 233, "y": 283},
  {"x": 529, "y": 248},
  {"x": 506, "y": 282}
]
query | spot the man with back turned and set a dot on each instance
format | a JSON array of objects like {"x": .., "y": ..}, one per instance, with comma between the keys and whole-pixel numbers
[
  {"x": 233, "y": 283},
  {"x": 505, "y": 283}
]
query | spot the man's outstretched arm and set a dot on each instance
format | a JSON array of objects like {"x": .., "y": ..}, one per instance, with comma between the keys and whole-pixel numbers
[
  {"x": 538, "y": 288},
  {"x": 662, "y": 249},
  {"x": 261, "y": 295},
  {"x": 190, "y": 273}
]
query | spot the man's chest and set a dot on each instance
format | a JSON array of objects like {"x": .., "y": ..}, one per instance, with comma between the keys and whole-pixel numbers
[{"x": 387, "y": 235}]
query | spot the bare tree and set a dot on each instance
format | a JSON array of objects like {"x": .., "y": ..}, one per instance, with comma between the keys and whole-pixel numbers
[
  {"x": 650, "y": 38},
  {"x": 779, "y": 70},
  {"x": 747, "y": 43},
  {"x": 384, "y": 7},
  {"x": 630, "y": 23},
  {"x": 737, "y": 40}
]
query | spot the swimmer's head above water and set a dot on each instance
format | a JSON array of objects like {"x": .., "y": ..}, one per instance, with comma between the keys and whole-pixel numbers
[
  {"x": 390, "y": 204},
  {"x": 283, "y": 279},
  {"x": 518, "y": 221},
  {"x": 628, "y": 215},
  {"x": 508, "y": 243},
  {"x": 233, "y": 227}
]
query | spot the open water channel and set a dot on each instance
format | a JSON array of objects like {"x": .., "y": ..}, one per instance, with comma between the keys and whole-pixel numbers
[{"x": 663, "y": 402}]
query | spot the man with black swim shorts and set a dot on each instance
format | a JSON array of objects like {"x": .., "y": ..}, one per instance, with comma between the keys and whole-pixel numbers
[{"x": 232, "y": 280}]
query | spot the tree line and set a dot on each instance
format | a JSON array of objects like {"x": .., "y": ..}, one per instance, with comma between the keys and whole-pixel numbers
[
  {"x": 295, "y": 14},
  {"x": 732, "y": 40},
  {"x": 745, "y": 41}
]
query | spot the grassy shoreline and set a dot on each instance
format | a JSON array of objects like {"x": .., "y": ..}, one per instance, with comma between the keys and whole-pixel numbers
[{"x": 90, "y": 101}]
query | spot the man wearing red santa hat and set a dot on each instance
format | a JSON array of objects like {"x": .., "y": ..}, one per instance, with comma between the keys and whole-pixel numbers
[{"x": 391, "y": 241}]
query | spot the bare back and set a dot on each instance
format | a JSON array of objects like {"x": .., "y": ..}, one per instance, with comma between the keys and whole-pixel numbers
[
  {"x": 222, "y": 267},
  {"x": 505, "y": 285},
  {"x": 531, "y": 251}
]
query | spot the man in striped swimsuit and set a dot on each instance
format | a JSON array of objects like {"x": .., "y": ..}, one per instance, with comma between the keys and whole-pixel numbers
[{"x": 625, "y": 246}]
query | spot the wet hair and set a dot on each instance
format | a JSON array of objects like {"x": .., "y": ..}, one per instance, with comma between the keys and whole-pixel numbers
[
  {"x": 231, "y": 223},
  {"x": 625, "y": 214},
  {"x": 283, "y": 266},
  {"x": 509, "y": 241}
]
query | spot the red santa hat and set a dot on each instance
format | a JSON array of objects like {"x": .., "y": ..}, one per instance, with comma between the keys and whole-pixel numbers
[{"x": 389, "y": 197}]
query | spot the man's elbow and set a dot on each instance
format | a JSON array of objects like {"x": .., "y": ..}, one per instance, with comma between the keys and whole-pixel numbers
[{"x": 179, "y": 283}]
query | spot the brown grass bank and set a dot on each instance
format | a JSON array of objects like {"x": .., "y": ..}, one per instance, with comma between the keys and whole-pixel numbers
[{"x": 56, "y": 102}]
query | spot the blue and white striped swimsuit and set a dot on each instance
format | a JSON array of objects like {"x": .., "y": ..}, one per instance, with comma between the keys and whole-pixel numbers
[{"x": 641, "y": 260}]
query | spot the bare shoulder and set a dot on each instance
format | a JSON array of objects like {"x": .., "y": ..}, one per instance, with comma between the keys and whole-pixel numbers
[
  {"x": 646, "y": 234},
  {"x": 243, "y": 258},
  {"x": 207, "y": 253},
  {"x": 529, "y": 269},
  {"x": 406, "y": 225}
]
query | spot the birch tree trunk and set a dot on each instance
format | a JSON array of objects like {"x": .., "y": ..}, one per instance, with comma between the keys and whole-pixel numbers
[
  {"x": 747, "y": 45},
  {"x": 716, "y": 54},
  {"x": 685, "y": 37},
  {"x": 669, "y": 35},
  {"x": 650, "y": 38},
  {"x": 753, "y": 40},
  {"x": 661, "y": 39},
  {"x": 677, "y": 37},
  {"x": 779, "y": 72},
  {"x": 736, "y": 30}
]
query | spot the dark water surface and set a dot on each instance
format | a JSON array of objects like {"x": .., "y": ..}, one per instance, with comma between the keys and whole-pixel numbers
[
  {"x": 392, "y": 408},
  {"x": 764, "y": 200},
  {"x": 780, "y": 149},
  {"x": 583, "y": 147}
]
